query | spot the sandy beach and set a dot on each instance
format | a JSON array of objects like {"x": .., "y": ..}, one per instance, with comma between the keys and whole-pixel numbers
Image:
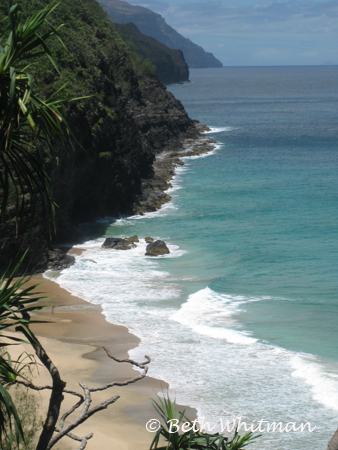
[{"x": 73, "y": 339}]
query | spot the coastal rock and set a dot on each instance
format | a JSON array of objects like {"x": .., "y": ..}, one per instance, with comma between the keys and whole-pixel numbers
[
  {"x": 111, "y": 242},
  {"x": 133, "y": 239},
  {"x": 157, "y": 248},
  {"x": 118, "y": 244},
  {"x": 154, "y": 194},
  {"x": 59, "y": 260},
  {"x": 149, "y": 239},
  {"x": 124, "y": 245},
  {"x": 201, "y": 126}
]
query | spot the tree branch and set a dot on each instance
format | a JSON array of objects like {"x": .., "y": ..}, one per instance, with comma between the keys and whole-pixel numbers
[
  {"x": 76, "y": 438},
  {"x": 65, "y": 391},
  {"x": 333, "y": 444},
  {"x": 47, "y": 441},
  {"x": 84, "y": 415},
  {"x": 86, "y": 411},
  {"x": 41, "y": 388},
  {"x": 83, "y": 444},
  {"x": 124, "y": 383}
]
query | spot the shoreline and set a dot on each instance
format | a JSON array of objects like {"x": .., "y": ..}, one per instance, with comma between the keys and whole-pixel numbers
[
  {"x": 77, "y": 332},
  {"x": 154, "y": 194}
]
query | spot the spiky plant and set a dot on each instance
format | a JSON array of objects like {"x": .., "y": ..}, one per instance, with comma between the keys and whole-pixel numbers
[
  {"x": 29, "y": 125},
  {"x": 17, "y": 300},
  {"x": 193, "y": 438}
]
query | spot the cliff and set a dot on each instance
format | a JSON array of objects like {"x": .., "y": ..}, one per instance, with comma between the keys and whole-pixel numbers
[
  {"x": 153, "y": 24},
  {"x": 170, "y": 65},
  {"x": 127, "y": 121}
]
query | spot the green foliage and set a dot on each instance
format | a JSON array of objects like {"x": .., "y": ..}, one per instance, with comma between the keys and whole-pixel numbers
[
  {"x": 168, "y": 64},
  {"x": 16, "y": 302},
  {"x": 17, "y": 299},
  {"x": 142, "y": 65},
  {"x": 193, "y": 438},
  {"x": 104, "y": 154},
  {"x": 96, "y": 52},
  {"x": 110, "y": 112},
  {"x": 28, "y": 123},
  {"x": 98, "y": 63},
  {"x": 30, "y": 420}
]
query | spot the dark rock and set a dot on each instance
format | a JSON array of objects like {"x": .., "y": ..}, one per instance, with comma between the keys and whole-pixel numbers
[
  {"x": 154, "y": 193},
  {"x": 157, "y": 248},
  {"x": 118, "y": 244},
  {"x": 201, "y": 126},
  {"x": 111, "y": 242},
  {"x": 59, "y": 260},
  {"x": 149, "y": 239},
  {"x": 133, "y": 239},
  {"x": 124, "y": 245}
]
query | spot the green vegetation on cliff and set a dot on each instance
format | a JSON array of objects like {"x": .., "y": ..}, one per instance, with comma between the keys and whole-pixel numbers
[
  {"x": 97, "y": 56},
  {"x": 170, "y": 65}
]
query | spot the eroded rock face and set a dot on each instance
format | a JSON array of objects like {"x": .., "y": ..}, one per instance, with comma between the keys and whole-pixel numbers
[
  {"x": 59, "y": 260},
  {"x": 133, "y": 239},
  {"x": 157, "y": 248},
  {"x": 118, "y": 244}
]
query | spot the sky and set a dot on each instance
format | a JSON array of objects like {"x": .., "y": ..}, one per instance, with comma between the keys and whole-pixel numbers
[{"x": 251, "y": 33}]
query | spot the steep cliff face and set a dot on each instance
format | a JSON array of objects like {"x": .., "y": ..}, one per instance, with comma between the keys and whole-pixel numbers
[
  {"x": 170, "y": 65},
  {"x": 129, "y": 118},
  {"x": 154, "y": 25}
]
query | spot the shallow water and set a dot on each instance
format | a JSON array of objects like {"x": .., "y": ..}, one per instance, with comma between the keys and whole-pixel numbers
[{"x": 240, "y": 318}]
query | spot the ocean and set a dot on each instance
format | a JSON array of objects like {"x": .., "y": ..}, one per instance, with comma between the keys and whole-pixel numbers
[{"x": 241, "y": 317}]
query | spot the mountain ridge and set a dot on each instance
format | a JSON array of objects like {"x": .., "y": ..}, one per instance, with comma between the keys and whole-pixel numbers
[
  {"x": 154, "y": 25},
  {"x": 170, "y": 65}
]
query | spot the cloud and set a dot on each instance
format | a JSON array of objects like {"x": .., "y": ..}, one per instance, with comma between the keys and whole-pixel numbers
[
  {"x": 216, "y": 18},
  {"x": 263, "y": 33}
]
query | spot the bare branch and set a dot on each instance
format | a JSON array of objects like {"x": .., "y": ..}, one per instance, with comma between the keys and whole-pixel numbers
[
  {"x": 83, "y": 444},
  {"x": 77, "y": 438},
  {"x": 333, "y": 444},
  {"x": 41, "y": 388},
  {"x": 47, "y": 441},
  {"x": 69, "y": 412},
  {"x": 130, "y": 361},
  {"x": 65, "y": 391},
  {"x": 84, "y": 415},
  {"x": 86, "y": 411},
  {"x": 124, "y": 383}
]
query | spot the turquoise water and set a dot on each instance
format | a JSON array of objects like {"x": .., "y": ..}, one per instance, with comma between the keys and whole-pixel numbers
[
  {"x": 274, "y": 198},
  {"x": 241, "y": 317}
]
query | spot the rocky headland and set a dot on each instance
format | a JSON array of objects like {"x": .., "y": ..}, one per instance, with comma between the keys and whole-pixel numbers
[{"x": 154, "y": 194}]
